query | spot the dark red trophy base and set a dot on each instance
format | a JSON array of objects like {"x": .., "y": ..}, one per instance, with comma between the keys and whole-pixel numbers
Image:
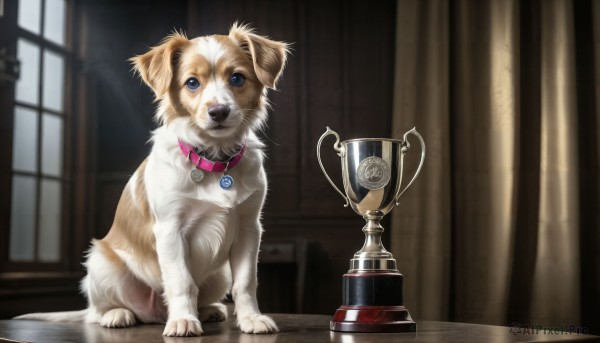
[{"x": 372, "y": 302}]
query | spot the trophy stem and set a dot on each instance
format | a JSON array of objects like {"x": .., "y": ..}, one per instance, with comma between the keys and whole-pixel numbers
[
  {"x": 373, "y": 256},
  {"x": 372, "y": 289}
]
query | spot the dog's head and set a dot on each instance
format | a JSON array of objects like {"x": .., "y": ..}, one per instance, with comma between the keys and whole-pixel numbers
[{"x": 215, "y": 85}]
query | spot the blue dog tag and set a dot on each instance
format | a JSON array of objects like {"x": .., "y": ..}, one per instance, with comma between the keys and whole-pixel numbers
[{"x": 226, "y": 182}]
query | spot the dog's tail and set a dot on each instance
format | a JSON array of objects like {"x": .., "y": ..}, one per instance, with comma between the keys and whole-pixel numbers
[{"x": 69, "y": 316}]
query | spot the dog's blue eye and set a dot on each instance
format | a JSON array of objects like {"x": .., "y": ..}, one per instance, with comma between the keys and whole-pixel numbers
[
  {"x": 192, "y": 83},
  {"x": 237, "y": 80}
]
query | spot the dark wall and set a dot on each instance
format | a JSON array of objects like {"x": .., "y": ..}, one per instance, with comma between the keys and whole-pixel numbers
[
  {"x": 116, "y": 31},
  {"x": 340, "y": 75},
  {"x": 122, "y": 106}
]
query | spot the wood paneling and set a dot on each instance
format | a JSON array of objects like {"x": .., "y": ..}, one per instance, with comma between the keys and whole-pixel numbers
[{"x": 39, "y": 292}]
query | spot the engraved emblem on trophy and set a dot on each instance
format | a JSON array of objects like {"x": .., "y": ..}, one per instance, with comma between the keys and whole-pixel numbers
[{"x": 372, "y": 171}]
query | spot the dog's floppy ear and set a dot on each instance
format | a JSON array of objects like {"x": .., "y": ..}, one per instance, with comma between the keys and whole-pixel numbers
[
  {"x": 267, "y": 55},
  {"x": 156, "y": 66}
]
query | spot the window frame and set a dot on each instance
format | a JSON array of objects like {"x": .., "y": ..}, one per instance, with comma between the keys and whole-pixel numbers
[{"x": 13, "y": 34}]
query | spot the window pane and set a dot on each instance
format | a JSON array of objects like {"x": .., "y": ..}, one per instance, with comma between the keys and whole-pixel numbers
[
  {"x": 52, "y": 144},
  {"x": 25, "y": 140},
  {"x": 50, "y": 221},
  {"x": 22, "y": 220},
  {"x": 54, "y": 79},
  {"x": 54, "y": 21},
  {"x": 27, "y": 85},
  {"x": 29, "y": 15}
]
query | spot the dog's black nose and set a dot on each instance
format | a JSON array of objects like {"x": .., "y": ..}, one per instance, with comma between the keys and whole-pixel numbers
[{"x": 218, "y": 112}]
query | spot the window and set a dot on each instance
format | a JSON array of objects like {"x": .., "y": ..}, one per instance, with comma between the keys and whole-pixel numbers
[{"x": 40, "y": 116}]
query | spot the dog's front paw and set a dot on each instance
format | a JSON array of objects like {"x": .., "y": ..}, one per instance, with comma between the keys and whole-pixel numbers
[
  {"x": 118, "y": 318},
  {"x": 185, "y": 326},
  {"x": 257, "y": 323}
]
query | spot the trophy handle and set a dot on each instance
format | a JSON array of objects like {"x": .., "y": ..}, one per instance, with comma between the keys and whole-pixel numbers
[
  {"x": 405, "y": 147},
  {"x": 340, "y": 151}
]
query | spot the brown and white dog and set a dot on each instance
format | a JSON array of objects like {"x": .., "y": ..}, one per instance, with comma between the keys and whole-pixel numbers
[{"x": 187, "y": 227}]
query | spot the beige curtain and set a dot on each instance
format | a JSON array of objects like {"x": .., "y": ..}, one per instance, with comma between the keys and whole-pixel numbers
[{"x": 502, "y": 226}]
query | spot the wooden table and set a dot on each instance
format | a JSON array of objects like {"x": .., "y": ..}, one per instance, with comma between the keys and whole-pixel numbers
[{"x": 294, "y": 328}]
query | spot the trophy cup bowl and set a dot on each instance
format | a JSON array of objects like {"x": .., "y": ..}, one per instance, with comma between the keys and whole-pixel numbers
[{"x": 372, "y": 171}]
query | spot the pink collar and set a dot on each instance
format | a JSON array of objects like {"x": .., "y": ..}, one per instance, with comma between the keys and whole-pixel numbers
[{"x": 207, "y": 165}]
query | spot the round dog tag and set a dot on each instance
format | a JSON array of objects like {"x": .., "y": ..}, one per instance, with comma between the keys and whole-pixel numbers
[
  {"x": 196, "y": 175},
  {"x": 226, "y": 182}
]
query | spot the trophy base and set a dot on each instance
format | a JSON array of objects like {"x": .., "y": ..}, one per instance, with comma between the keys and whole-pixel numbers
[
  {"x": 372, "y": 302},
  {"x": 372, "y": 319}
]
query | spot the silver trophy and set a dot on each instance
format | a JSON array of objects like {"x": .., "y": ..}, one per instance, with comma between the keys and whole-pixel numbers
[{"x": 372, "y": 171}]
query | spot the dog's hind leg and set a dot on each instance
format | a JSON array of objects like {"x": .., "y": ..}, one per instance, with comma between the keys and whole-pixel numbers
[
  {"x": 116, "y": 298},
  {"x": 215, "y": 312},
  {"x": 104, "y": 285},
  {"x": 210, "y": 294}
]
